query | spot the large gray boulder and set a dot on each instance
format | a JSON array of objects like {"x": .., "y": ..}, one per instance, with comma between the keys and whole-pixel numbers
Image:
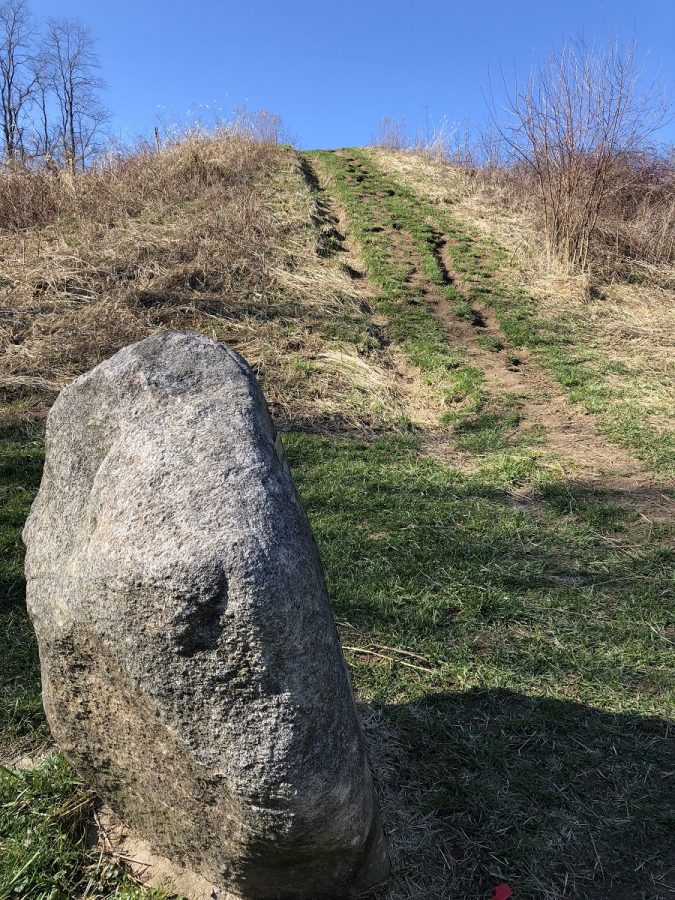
[{"x": 190, "y": 663}]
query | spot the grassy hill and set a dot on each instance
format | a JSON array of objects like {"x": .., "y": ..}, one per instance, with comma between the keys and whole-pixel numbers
[{"x": 485, "y": 450}]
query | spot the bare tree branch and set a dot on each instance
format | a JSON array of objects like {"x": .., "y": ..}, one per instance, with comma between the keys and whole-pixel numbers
[{"x": 16, "y": 76}]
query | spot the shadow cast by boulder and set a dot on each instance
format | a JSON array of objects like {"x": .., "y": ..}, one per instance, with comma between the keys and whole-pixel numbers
[{"x": 552, "y": 797}]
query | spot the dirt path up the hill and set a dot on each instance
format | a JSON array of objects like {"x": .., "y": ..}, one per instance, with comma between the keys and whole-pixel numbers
[{"x": 570, "y": 436}]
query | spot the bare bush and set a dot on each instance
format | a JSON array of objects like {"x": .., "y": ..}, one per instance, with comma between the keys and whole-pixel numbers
[
  {"x": 453, "y": 142},
  {"x": 391, "y": 134},
  {"x": 582, "y": 130}
]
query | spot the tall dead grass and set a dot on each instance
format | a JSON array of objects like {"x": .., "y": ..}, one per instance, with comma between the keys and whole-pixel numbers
[
  {"x": 219, "y": 233},
  {"x": 123, "y": 184},
  {"x": 146, "y": 240},
  {"x": 635, "y": 235}
]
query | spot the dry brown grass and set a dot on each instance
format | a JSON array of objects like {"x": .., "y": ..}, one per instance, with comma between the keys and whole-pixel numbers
[
  {"x": 145, "y": 242},
  {"x": 209, "y": 234},
  {"x": 636, "y": 231}
]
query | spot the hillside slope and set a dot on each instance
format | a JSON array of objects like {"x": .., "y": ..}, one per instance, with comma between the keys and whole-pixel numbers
[
  {"x": 491, "y": 500},
  {"x": 609, "y": 342}
]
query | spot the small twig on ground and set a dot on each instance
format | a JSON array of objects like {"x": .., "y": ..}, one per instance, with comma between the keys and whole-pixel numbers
[
  {"x": 389, "y": 658},
  {"x": 138, "y": 862},
  {"x": 379, "y": 646}
]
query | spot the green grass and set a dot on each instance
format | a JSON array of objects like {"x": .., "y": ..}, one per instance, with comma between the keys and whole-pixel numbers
[
  {"x": 21, "y": 456},
  {"x": 489, "y": 342},
  {"x": 390, "y": 225},
  {"x": 538, "y": 742},
  {"x": 386, "y": 516},
  {"x": 565, "y": 347},
  {"x": 377, "y": 213},
  {"x": 44, "y": 852},
  {"x": 488, "y": 432}
]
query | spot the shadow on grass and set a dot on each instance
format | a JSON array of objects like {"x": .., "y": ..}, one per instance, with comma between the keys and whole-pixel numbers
[
  {"x": 536, "y": 750},
  {"x": 419, "y": 553},
  {"x": 552, "y": 797},
  {"x": 21, "y": 717}
]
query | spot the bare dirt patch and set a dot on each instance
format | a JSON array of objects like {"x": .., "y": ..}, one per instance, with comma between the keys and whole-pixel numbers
[{"x": 148, "y": 867}]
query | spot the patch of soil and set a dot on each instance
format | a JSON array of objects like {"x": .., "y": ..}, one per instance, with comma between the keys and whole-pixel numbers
[{"x": 149, "y": 868}]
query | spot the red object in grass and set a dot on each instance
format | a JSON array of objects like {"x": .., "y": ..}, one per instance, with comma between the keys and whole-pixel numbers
[{"x": 502, "y": 892}]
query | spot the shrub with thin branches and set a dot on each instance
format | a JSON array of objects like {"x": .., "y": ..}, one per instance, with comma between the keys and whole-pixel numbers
[
  {"x": 582, "y": 130},
  {"x": 391, "y": 134}
]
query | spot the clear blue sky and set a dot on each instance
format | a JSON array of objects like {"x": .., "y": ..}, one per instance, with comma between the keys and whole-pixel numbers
[{"x": 332, "y": 70}]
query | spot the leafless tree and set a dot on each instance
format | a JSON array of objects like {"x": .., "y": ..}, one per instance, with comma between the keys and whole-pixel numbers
[
  {"x": 71, "y": 64},
  {"x": 577, "y": 124},
  {"x": 16, "y": 74},
  {"x": 43, "y": 140}
]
